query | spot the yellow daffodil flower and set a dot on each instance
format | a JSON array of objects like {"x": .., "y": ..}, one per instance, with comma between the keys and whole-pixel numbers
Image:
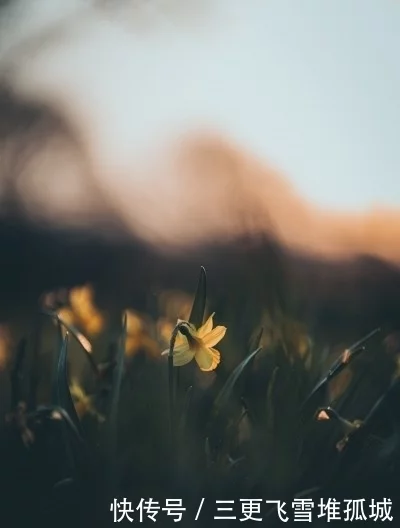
[{"x": 198, "y": 344}]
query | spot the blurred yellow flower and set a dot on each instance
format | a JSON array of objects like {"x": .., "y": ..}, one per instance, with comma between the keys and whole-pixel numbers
[
  {"x": 198, "y": 344},
  {"x": 85, "y": 311},
  {"x": 164, "y": 330},
  {"x": 82, "y": 402},
  {"x": 175, "y": 304},
  {"x": 5, "y": 346},
  {"x": 134, "y": 323},
  {"x": 83, "y": 314},
  {"x": 138, "y": 338},
  {"x": 67, "y": 316}
]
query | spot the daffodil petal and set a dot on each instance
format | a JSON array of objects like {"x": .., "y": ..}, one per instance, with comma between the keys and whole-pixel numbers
[
  {"x": 177, "y": 348},
  {"x": 207, "y": 358},
  {"x": 180, "y": 340},
  {"x": 215, "y": 336},
  {"x": 207, "y": 327},
  {"x": 216, "y": 358},
  {"x": 182, "y": 355}
]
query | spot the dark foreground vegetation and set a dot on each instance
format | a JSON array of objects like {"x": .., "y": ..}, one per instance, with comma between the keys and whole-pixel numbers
[{"x": 304, "y": 403}]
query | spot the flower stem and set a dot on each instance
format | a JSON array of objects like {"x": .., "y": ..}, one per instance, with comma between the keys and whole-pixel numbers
[
  {"x": 182, "y": 327},
  {"x": 171, "y": 385},
  {"x": 171, "y": 395}
]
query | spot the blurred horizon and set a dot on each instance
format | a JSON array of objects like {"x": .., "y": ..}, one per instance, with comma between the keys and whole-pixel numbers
[{"x": 191, "y": 122}]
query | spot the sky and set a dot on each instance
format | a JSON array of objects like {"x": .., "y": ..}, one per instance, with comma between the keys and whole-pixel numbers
[
  {"x": 310, "y": 88},
  {"x": 326, "y": 97}
]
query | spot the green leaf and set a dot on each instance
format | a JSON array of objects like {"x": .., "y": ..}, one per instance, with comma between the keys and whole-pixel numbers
[
  {"x": 225, "y": 394},
  {"x": 70, "y": 450},
  {"x": 117, "y": 375},
  {"x": 256, "y": 340},
  {"x": 78, "y": 336},
  {"x": 111, "y": 427},
  {"x": 50, "y": 410},
  {"x": 61, "y": 393},
  {"x": 186, "y": 409},
  {"x": 270, "y": 414},
  {"x": 83, "y": 342},
  {"x": 308, "y": 493},
  {"x": 17, "y": 374},
  {"x": 35, "y": 369},
  {"x": 339, "y": 365},
  {"x": 199, "y": 303},
  {"x": 219, "y": 422}
]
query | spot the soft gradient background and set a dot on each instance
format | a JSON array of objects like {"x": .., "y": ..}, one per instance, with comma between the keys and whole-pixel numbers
[{"x": 310, "y": 87}]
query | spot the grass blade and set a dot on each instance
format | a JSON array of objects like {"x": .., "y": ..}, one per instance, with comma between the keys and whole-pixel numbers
[
  {"x": 225, "y": 394},
  {"x": 340, "y": 364},
  {"x": 17, "y": 374},
  {"x": 199, "y": 304},
  {"x": 111, "y": 430},
  {"x": 186, "y": 409},
  {"x": 79, "y": 337},
  {"x": 61, "y": 393},
  {"x": 35, "y": 372},
  {"x": 222, "y": 405},
  {"x": 256, "y": 341}
]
